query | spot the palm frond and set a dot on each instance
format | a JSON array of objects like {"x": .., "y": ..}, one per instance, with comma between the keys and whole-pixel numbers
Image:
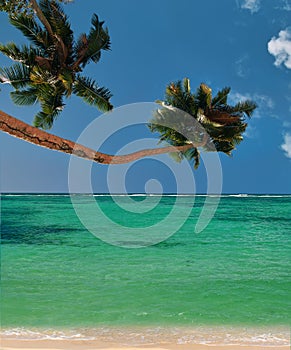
[
  {"x": 168, "y": 134},
  {"x": 17, "y": 75},
  {"x": 203, "y": 97},
  {"x": 24, "y": 54},
  {"x": 31, "y": 30},
  {"x": 177, "y": 156},
  {"x": 193, "y": 154},
  {"x": 92, "y": 93},
  {"x": 51, "y": 99},
  {"x": 45, "y": 121},
  {"x": 174, "y": 93},
  {"x": 67, "y": 78},
  {"x": 247, "y": 107},
  {"x": 224, "y": 124},
  {"x": 221, "y": 97},
  {"x": 24, "y": 97},
  {"x": 186, "y": 85},
  {"x": 52, "y": 104},
  {"x": 177, "y": 95},
  {"x": 58, "y": 20},
  {"x": 222, "y": 117},
  {"x": 224, "y": 146},
  {"x": 81, "y": 47},
  {"x": 88, "y": 48},
  {"x": 40, "y": 75},
  {"x": 98, "y": 39}
]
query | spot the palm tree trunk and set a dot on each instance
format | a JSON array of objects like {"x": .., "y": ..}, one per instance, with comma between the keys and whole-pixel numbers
[
  {"x": 42, "y": 17},
  {"x": 23, "y": 131},
  {"x": 48, "y": 27}
]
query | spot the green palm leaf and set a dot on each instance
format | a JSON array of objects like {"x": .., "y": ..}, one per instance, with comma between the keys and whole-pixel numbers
[
  {"x": 178, "y": 94},
  {"x": 88, "y": 48},
  {"x": 177, "y": 156},
  {"x": 203, "y": 97},
  {"x": 224, "y": 146},
  {"x": 31, "y": 30},
  {"x": 193, "y": 154},
  {"x": 247, "y": 107},
  {"x": 67, "y": 78},
  {"x": 98, "y": 39},
  {"x": 25, "y": 54},
  {"x": 221, "y": 97},
  {"x": 92, "y": 94},
  {"x": 223, "y": 123},
  {"x": 51, "y": 99},
  {"x": 39, "y": 75},
  {"x": 58, "y": 21},
  {"x": 48, "y": 67},
  {"x": 45, "y": 121},
  {"x": 16, "y": 75},
  {"x": 186, "y": 85},
  {"x": 24, "y": 97}
]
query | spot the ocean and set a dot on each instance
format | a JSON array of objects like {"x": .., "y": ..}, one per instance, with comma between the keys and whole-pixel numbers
[{"x": 60, "y": 280}]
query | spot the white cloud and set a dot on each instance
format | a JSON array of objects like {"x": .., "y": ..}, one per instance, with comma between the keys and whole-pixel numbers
[
  {"x": 286, "y": 146},
  {"x": 265, "y": 107},
  {"x": 264, "y": 102},
  {"x": 281, "y": 48},
  {"x": 283, "y": 5},
  {"x": 286, "y": 6},
  {"x": 252, "y": 5},
  {"x": 287, "y": 124},
  {"x": 241, "y": 66}
]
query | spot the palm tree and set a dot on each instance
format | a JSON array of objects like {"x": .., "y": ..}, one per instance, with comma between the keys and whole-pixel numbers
[
  {"x": 222, "y": 123},
  {"x": 49, "y": 70}
]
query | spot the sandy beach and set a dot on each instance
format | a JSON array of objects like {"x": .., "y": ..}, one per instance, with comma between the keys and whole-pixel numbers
[
  {"x": 160, "y": 338},
  {"x": 90, "y": 345}
]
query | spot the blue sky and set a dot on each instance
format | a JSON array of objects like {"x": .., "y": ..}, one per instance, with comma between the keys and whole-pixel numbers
[{"x": 244, "y": 44}]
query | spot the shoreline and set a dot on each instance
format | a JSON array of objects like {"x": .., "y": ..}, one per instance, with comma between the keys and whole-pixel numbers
[{"x": 150, "y": 338}]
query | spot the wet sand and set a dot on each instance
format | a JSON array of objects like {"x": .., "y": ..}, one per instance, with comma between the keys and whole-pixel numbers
[
  {"x": 10, "y": 344},
  {"x": 90, "y": 345},
  {"x": 148, "y": 338}
]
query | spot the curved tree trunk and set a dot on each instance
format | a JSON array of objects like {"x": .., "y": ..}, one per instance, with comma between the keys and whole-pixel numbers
[{"x": 24, "y": 131}]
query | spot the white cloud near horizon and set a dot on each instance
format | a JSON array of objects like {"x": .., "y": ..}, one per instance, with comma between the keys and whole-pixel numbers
[
  {"x": 280, "y": 48},
  {"x": 263, "y": 101},
  {"x": 286, "y": 146},
  {"x": 252, "y": 5}
]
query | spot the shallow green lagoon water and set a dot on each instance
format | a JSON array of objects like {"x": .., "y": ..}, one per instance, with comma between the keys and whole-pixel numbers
[{"x": 57, "y": 274}]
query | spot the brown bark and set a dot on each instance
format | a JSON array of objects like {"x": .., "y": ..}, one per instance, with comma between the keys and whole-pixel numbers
[
  {"x": 63, "y": 52},
  {"x": 42, "y": 17},
  {"x": 23, "y": 131}
]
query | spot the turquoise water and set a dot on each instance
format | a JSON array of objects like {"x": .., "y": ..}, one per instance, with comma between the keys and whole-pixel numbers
[{"x": 57, "y": 274}]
